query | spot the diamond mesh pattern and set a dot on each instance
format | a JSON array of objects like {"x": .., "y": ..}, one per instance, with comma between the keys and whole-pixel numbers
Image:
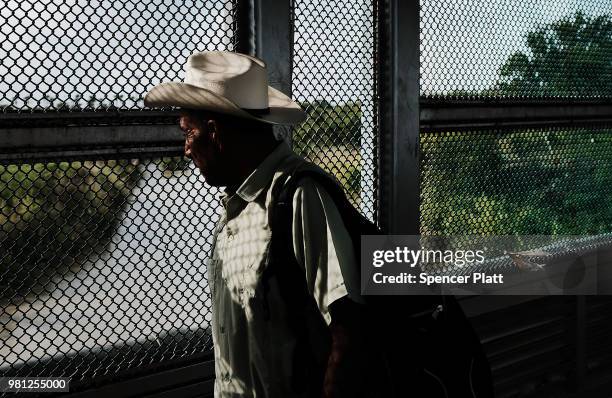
[
  {"x": 333, "y": 78},
  {"x": 101, "y": 261},
  {"x": 101, "y": 55},
  {"x": 516, "y": 49},
  {"x": 549, "y": 181},
  {"x": 102, "y": 265}
]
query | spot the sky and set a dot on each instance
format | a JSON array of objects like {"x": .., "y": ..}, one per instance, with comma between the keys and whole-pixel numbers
[{"x": 103, "y": 48}]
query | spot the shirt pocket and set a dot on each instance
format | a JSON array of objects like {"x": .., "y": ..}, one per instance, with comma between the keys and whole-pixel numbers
[{"x": 246, "y": 253}]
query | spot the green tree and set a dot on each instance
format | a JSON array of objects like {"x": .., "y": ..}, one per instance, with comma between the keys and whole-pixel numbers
[
  {"x": 328, "y": 126},
  {"x": 531, "y": 181},
  {"x": 331, "y": 137},
  {"x": 567, "y": 58}
]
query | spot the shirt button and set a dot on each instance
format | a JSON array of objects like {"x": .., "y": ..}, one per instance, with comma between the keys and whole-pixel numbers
[{"x": 221, "y": 329}]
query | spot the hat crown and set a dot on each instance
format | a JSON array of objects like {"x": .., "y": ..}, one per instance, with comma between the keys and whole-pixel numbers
[
  {"x": 227, "y": 83},
  {"x": 240, "y": 78}
]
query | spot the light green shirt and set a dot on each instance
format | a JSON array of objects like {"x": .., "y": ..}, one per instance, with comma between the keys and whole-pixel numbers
[{"x": 253, "y": 357}]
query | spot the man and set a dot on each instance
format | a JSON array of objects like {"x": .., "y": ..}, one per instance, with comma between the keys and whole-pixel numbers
[{"x": 228, "y": 111}]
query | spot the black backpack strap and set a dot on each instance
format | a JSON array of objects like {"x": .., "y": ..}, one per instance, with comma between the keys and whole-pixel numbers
[
  {"x": 281, "y": 259},
  {"x": 356, "y": 224},
  {"x": 280, "y": 220},
  {"x": 308, "y": 370}
]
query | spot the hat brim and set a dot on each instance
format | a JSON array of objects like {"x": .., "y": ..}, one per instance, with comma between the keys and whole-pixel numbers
[{"x": 283, "y": 110}]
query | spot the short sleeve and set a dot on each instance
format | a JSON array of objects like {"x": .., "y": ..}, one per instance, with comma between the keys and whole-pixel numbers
[{"x": 323, "y": 247}]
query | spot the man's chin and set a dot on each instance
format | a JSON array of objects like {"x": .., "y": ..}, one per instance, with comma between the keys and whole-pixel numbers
[
  {"x": 213, "y": 183},
  {"x": 211, "y": 179}
]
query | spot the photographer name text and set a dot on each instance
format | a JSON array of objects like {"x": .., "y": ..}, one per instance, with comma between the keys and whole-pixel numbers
[{"x": 427, "y": 279}]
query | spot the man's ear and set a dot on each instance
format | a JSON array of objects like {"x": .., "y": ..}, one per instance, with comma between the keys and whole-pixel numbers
[{"x": 213, "y": 131}]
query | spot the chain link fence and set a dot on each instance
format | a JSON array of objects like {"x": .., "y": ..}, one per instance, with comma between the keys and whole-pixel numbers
[
  {"x": 516, "y": 49},
  {"x": 547, "y": 181},
  {"x": 103, "y": 264},
  {"x": 103, "y": 55},
  {"x": 333, "y": 78},
  {"x": 102, "y": 257},
  {"x": 521, "y": 180}
]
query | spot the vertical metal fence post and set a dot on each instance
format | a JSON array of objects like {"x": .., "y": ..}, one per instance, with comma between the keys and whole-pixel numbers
[
  {"x": 274, "y": 40},
  {"x": 244, "y": 26},
  {"x": 274, "y": 44},
  {"x": 265, "y": 30},
  {"x": 398, "y": 89}
]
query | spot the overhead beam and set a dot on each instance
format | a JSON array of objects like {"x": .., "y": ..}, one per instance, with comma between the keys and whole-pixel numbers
[
  {"x": 44, "y": 142},
  {"x": 479, "y": 115}
]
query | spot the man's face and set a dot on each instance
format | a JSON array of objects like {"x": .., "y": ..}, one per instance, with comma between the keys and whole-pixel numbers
[{"x": 202, "y": 148}]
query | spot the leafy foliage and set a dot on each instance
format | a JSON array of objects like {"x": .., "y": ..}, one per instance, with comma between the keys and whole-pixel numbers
[
  {"x": 541, "y": 181},
  {"x": 520, "y": 182},
  {"x": 329, "y": 126},
  {"x": 331, "y": 137},
  {"x": 568, "y": 58}
]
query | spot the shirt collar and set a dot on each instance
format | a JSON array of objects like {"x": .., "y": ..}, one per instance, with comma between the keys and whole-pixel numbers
[{"x": 258, "y": 180}]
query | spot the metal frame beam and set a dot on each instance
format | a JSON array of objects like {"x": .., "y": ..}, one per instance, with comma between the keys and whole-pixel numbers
[
  {"x": 244, "y": 27},
  {"x": 182, "y": 380},
  {"x": 399, "y": 89},
  {"x": 274, "y": 44},
  {"x": 478, "y": 115},
  {"x": 270, "y": 41},
  {"x": 274, "y": 40},
  {"x": 90, "y": 118},
  {"x": 57, "y": 142}
]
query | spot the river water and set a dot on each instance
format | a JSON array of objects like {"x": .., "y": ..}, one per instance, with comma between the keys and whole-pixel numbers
[{"x": 150, "y": 280}]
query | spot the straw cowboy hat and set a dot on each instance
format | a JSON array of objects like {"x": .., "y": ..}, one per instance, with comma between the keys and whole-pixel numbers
[{"x": 228, "y": 83}]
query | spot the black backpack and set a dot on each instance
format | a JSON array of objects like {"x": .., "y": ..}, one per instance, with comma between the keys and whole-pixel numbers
[{"x": 417, "y": 345}]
